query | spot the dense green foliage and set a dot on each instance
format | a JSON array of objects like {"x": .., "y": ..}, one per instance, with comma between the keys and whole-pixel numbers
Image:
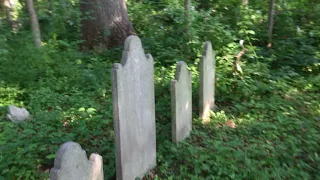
[{"x": 272, "y": 97}]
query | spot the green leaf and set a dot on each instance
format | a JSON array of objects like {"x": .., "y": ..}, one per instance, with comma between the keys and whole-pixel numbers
[{"x": 51, "y": 156}]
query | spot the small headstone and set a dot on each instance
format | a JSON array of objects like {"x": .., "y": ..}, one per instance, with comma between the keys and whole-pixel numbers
[
  {"x": 134, "y": 111},
  {"x": 16, "y": 114},
  {"x": 181, "y": 103},
  {"x": 71, "y": 163},
  {"x": 96, "y": 162},
  {"x": 207, "y": 73}
]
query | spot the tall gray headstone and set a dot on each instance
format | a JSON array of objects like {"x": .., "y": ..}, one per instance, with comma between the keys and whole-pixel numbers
[
  {"x": 207, "y": 73},
  {"x": 71, "y": 163},
  {"x": 134, "y": 111},
  {"x": 181, "y": 103}
]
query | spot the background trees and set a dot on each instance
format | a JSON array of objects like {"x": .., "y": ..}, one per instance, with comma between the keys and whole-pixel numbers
[
  {"x": 270, "y": 21},
  {"x": 34, "y": 23},
  {"x": 187, "y": 9},
  {"x": 104, "y": 23},
  {"x": 5, "y": 8}
]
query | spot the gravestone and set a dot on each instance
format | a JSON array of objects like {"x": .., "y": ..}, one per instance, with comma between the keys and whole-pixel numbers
[
  {"x": 134, "y": 111},
  {"x": 16, "y": 114},
  {"x": 207, "y": 73},
  {"x": 181, "y": 103},
  {"x": 71, "y": 163}
]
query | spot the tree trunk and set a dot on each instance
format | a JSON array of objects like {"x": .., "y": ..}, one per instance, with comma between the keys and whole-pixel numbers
[
  {"x": 187, "y": 6},
  {"x": 34, "y": 23},
  {"x": 7, "y": 8},
  {"x": 1, "y": 9},
  {"x": 104, "y": 23},
  {"x": 270, "y": 21}
]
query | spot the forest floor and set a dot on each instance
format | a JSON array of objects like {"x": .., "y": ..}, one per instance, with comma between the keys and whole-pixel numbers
[
  {"x": 270, "y": 132},
  {"x": 273, "y": 135}
]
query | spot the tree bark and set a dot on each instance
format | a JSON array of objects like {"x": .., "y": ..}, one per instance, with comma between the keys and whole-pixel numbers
[
  {"x": 104, "y": 23},
  {"x": 1, "y": 9},
  {"x": 34, "y": 23},
  {"x": 270, "y": 21},
  {"x": 6, "y": 6},
  {"x": 187, "y": 6}
]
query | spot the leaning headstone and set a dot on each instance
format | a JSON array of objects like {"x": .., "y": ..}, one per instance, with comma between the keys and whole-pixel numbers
[
  {"x": 181, "y": 103},
  {"x": 207, "y": 73},
  {"x": 134, "y": 111},
  {"x": 16, "y": 114},
  {"x": 71, "y": 163}
]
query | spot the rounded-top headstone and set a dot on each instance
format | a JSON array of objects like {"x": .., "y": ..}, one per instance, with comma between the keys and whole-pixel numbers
[
  {"x": 71, "y": 163},
  {"x": 134, "y": 111},
  {"x": 208, "y": 46},
  {"x": 181, "y": 66},
  {"x": 207, "y": 75},
  {"x": 181, "y": 103},
  {"x": 132, "y": 42}
]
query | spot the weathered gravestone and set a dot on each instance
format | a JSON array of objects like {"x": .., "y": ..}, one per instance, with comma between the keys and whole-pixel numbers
[
  {"x": 16, "y": 114},
  {"x": 207, "y": 73},
  {"x": 134, "y": 111},
  {"x": 181, "y": 103},
  {"x": 71, "y": 163}
]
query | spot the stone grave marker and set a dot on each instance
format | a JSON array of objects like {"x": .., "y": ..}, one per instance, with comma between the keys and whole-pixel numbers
[
  {"x": 207, "y": 73},
  {"x": 71, "y": 163},
  {"x": 134, "y": 111},
  {"x": 16, "y": 114},
  {"x": 181, "y": 103}
]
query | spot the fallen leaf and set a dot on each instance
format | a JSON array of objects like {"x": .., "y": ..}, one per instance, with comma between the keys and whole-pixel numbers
[{"x": 231, "y": 124}]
